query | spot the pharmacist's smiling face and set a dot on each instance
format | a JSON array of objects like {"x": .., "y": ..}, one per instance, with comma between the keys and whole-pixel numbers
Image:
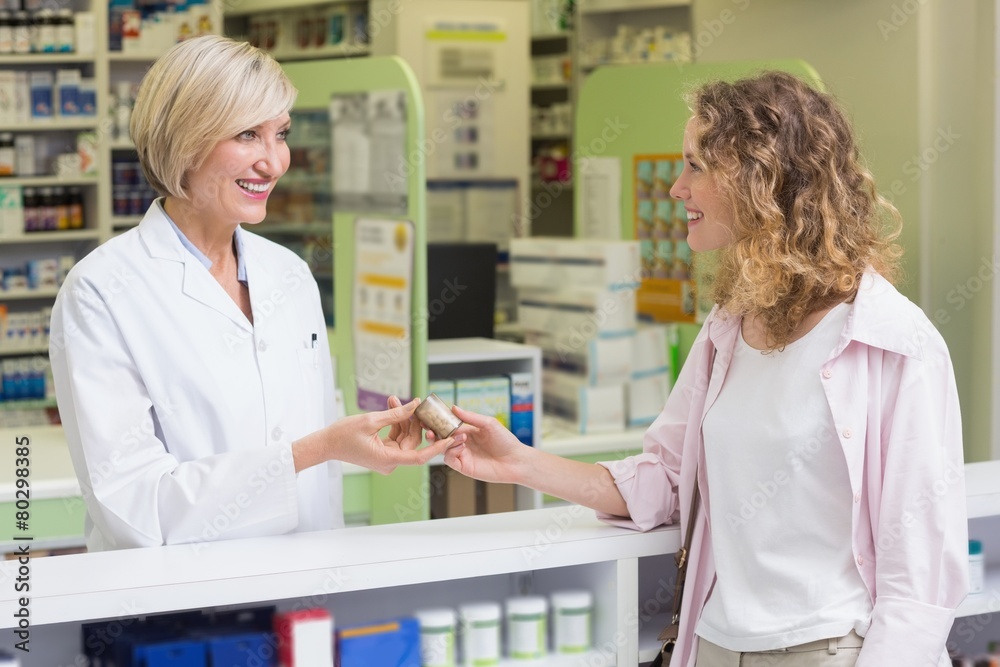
[
  {"x": 710, "y": 218},
  {"x": 237, "y": 177}
]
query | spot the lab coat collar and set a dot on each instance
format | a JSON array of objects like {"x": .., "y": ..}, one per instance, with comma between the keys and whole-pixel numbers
[{"x": 162, "y": 242}]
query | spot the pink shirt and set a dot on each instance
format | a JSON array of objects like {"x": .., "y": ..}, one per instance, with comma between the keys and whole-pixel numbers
[{"x": 891, "y": 389}]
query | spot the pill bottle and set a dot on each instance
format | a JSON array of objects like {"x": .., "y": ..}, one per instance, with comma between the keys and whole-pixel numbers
[
  {"x": 437, "y": 637},
  {"x": 7, "y": 154},
  {"x": 480, "y": 624},
  {"x": 435, "y": 414},
  {"x": 572, "y": 619},
  {"x": 6, "y": 32},
  {"x": 65, "y": 31},
  {"x": 21, "y": 29},
  {"x": 977, "y": 571},
  {"x": 526, "y": 628}
]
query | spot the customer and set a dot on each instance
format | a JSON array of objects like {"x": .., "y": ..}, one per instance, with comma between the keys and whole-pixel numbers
[
  {"x": 190, "y": 356},
  {"x": 817, "y": 409}
]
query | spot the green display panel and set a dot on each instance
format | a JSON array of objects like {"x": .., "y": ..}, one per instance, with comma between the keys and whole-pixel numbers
[{"x": 395, "y": 497}]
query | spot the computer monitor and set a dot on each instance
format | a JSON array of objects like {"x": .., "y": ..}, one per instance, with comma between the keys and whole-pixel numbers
[{"x": 461, "y": 290}]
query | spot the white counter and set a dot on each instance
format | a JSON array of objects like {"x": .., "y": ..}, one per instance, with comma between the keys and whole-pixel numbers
[{"x": 262, "y": 569}]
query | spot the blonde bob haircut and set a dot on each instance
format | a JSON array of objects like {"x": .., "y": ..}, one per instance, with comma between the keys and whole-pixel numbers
[
  {"x": 200, "y": 92},
  {"x": 807, "y": 218}
]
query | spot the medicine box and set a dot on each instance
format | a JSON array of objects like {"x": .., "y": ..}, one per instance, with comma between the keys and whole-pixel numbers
[
  {"x": 586, "y": 409},
  {"x": 548, "y": 262},
  {"x": 573, "y": 317},
  {"x": 487, "y": 396},
  {"x": 522, "y": 407},
  {"x": 445, "y": 390},
  {"x": 392, "y": 643},
  {"x": 8, "y": 97},
  {"x": 646, "y": 397},
  {"x": 599, "y": 361},
  {"x": 41, "y": 84},
  {"x": 11, "y": 211},
  {"x": 305, "y": 638},
  {"x": 68, "y": 90},
  {"x": 651, "y": 350}
]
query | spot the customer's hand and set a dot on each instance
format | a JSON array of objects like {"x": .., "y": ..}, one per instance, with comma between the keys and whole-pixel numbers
[
  {"x": 356, "y": 439},
  {"x": 491, "y": 452}
]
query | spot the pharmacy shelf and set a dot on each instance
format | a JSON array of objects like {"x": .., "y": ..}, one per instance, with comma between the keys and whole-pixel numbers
[
  {"x": 24, "y": 352},
  {"x": 324, "y": 52},
  {"x": 549, "y": 86},
  {"x": 63, "y": 123},
  {"x": 125, "y": 221},
  {"x": 598, "y": 6},
  {"x": 26, "y": 295},
  {"x": 42, "y": 181},
  {"x": 292, "y": 228},
  {"x": 46, "y": 59},
  {"x": 122, "y": 57},
  {"x": 28, "y": 404},
  {"x": 121, "y": 145},
  {"x": 52, "y": 236},
  {"x": 550, "y": 37},
  {"x": 474, "y": 350},
  {"x": 981, "y": 488},
  {"x": 987, "y": 602},
  {"x": 254, "y": 6},
  {"x": 537, "y": 136},
  {"x": 556, "y": 439}
]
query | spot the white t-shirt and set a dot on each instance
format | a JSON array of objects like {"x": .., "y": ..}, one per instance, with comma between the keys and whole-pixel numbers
[{"x": 780, "y": 502}]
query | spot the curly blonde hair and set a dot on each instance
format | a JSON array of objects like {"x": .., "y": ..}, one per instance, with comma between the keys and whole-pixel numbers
[{"x": 807, "y": 219}]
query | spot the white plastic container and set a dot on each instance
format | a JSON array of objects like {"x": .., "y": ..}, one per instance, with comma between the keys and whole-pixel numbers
[
  {"x": 572, "y": 620},
  {"x": 526, "y": 628},
  {"x": 977, "y": 572},
  {"x": 480, "y": 625},
  {"x": 437, "y": 637}
]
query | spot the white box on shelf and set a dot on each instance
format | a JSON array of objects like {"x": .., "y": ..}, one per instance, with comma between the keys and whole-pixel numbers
[
  {"x": 581, "y": 263},
  {"x": 645, "y": 399},
  {"x": 598, "y": 361},
  {"x": 11, "y": 211},
  {"x": 22, "y": 97},
  {"x": 85, "y": 32},
  {"x": 588, "y": 409},
  {"x": 650, "y": 350},
  {"x": 573, "y": 317},
  {"x": 24, "y": 155},
  {"x": 8, "y": 97}
]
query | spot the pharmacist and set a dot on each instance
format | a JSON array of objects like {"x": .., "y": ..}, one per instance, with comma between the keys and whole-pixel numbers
[{"x": 190, "y": 356}]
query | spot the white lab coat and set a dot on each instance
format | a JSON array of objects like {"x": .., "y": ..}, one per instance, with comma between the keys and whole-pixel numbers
[{"x": 180, "y": 414}]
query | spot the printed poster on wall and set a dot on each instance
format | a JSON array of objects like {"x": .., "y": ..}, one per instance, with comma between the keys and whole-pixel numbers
[
  {"x": 667, "y": 290},
  {"x": 383, "y": 277}
]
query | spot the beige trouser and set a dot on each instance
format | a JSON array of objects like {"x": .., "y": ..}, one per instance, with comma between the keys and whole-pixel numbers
[{"x": 837, "y": 652}]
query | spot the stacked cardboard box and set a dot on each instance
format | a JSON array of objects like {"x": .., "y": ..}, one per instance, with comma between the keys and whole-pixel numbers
[
  {"x": 602, "y": 369},
  {"x": 576, "y": 301}
]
